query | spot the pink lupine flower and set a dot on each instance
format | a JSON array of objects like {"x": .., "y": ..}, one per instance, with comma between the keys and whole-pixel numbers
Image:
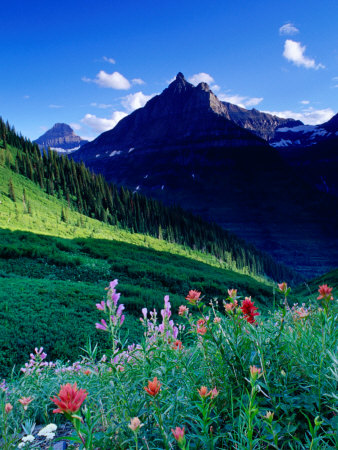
[
  {"x": 112, "y": 284},
  {"x": 122, "y": 319},
  {"x": 145, "y": 312},
  {"x": 101, "y": 306},
  {"x": 102, "y": 326}
]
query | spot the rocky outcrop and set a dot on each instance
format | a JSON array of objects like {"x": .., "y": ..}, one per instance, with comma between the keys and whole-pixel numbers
[
  {"x": 260, "y": 123},
  {"x": 61, "y": 138}
]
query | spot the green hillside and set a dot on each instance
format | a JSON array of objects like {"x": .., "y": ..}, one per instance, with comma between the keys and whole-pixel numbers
[{"x": 53, "y": 272}]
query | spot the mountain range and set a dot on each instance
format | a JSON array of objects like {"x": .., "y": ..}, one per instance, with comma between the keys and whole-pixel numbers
[
  {"x": 184, "y": 147},
  {"x": 61, "y": 138}
]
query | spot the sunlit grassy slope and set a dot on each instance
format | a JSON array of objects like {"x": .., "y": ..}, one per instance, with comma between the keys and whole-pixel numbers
[{"x": 52, "y": 273}]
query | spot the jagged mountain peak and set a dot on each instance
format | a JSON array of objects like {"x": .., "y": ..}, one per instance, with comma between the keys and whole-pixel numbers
[{"x": 60, "y": 137}]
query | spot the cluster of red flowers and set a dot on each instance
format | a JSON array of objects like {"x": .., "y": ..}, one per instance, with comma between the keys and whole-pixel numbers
[
  {"x": 325, "y": 292},
  {"x": 201, "y": 329},
  {"x": 70, "y": 399},
  {"x": 153, "y": 387},
  {"x": 249, "y": 310}
]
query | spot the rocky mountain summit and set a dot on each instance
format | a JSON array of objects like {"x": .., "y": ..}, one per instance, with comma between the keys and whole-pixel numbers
[
  {"x": 262, "y": 124},
  {"x": 182, "y": 147},
  {"x": 60, "y": 137}
]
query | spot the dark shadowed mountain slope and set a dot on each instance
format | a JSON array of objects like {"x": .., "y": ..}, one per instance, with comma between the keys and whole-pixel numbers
[
  {"x": 61, "y": 138},
  {"x": 181, "y": 148},
  {"x": 313, "y": 152}
]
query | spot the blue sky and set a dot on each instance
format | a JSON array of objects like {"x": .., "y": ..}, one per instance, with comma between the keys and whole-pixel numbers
[{"x": 88, "y": 63}]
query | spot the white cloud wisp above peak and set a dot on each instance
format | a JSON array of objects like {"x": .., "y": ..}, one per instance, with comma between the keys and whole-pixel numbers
[
  {"x": 113, "y": 80},
  {"x": 294, "y": 52}
]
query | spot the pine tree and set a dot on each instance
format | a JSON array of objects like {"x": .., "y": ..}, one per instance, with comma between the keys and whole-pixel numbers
[{"x": 11, "y": 192}]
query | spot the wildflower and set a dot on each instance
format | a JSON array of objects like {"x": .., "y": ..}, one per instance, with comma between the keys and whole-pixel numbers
[
  {"x": 232, "y": 293},
  {"x": 28, "y": 438},
  {"x": 255, "y": 372},
  {"x": 8, "y": 408},
  {"x": 301, "y": 312},
  {"x": 202, "y": 331},
  {"x": 87, "y": 372},
  {"x": 325, "y": 292},
  {"x": 231, "y": 306},
  {"x": 214, "y": 392},
  {"x": 269, "y": 416},
  {"x": 283, "y": 287},
  {"x": 203, "y": 392},
  {"x": 70, "y": 399},
  {"x": 179, "y": 435},
  {"x": 48, "y": 429},
  {"x": 3, "y": 386},
  {"x": 183, "y": 310},
  {"x": 153, "y": 387},
  {"x": 217, "y": 320},
  {"x": 25, "y": 401},
  {"x": 249, "y": 310},
  {"x": 193, "y": 297},
  {"x": 101, "y": 306},
  {"x": 144, "y": 312},
  {"x": 177, "y": 345},
  {"x": 102, "y": 326},
  {"x": 135, "y": 424}
]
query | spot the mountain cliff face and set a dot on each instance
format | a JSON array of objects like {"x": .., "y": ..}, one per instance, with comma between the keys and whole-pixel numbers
[
  {"x": 61, "y": 138},
  {"x": 183, "y": 148},
  {"x": 262, "y": 124},
  {"x": 313, "y": 152}
]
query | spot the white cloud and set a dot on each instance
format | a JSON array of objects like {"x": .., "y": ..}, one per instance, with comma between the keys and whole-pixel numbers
[
  {"x": 288, "y": 28},
  {"x": 113, "y": 80},
  {"x": 100, "y": 124},
  {"x": 201, "y": 77},
  {"x": 309, "y": 116},
  {"x": 26, "y": 97},
  {"x": 75, "y": 126},
  {"x": 55, "y": 106},
  {"x": 335, "y": 79},
  {"x": 243, "y": 102},
  {"x": 101, "y": 105},
  {"x": 304, "y": 102},
  {"x": 137, "y": 81},
  {"x": 294, "y": 52},
  {"x": 215, "y": 87},
  {"x": 109, "y": 60},
  {"x": 135, "y": 101}
]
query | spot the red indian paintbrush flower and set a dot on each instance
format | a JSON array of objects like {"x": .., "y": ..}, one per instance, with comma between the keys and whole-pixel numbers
[
  {"x": 178, "y": 434},
  {"x": 203, "y": 391},
  {"x": 283, "y": 287},
  {"x": 153, "y": 387},
  {"x": 325, "y": 292},
  {"x": 25, "y": 401},
  {"x": 249, "y": 310},
  {"x": 70, "y": 399},
  {"x": 193, "y": 297}
]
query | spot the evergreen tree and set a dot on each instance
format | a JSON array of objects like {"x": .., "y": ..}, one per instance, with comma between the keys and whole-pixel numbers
[{"x": 11, "y": 192}]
